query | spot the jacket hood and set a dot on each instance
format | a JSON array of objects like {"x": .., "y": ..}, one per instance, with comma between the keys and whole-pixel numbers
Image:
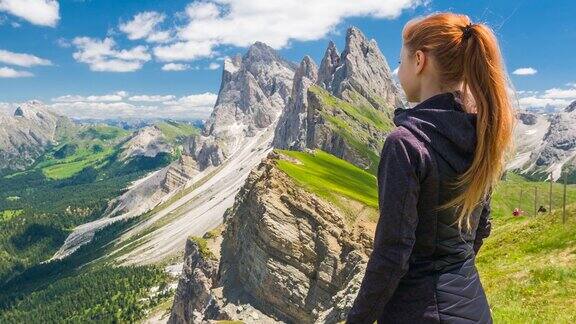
[{"x": 442, "y": 123}]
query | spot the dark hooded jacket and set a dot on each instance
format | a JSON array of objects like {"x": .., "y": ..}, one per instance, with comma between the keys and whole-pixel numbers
[{"x": 421, "y": 269}]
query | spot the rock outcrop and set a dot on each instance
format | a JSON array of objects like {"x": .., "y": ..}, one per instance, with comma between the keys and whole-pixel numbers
[
  {"x": 26, "y": 135},
  {"x": 286, "y": 253},
  {"x": 193, "y": 296}
]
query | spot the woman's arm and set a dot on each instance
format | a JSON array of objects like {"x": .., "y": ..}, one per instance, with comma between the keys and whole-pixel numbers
[
  {"x": 484, "y": 225},
  {"x": 398, "y": 190}
]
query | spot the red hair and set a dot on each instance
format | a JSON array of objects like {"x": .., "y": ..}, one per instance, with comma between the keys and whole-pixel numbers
[{"x": 468, "y": 53}]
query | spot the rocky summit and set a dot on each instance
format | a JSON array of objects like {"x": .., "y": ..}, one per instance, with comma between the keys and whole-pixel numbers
[
  {"x": 254, "y": 90},
  {"x": 26, "y": 134},
  {"x": 345, "y": 106}
]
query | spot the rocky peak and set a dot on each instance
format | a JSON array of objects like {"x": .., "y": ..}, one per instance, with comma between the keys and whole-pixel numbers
[
  {"x": 360, "y": 68},
  {"x": 254, "y": 90},
  {"x": 307, "y": 71},
  {"x": 291, "y": 130},
  {"x": 25, "y": 134},
  {"x": 261, "y": 52},
  {"x": 328, "y": 66}
]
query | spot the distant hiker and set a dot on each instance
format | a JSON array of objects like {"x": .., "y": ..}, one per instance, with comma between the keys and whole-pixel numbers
[
  {"x": 542, "y": 209},
  {"x": 435, "y": 177}
]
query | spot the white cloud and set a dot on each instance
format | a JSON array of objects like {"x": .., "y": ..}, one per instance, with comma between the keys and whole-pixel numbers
[
  {"x": 194, "y": 101},
  {"x": 525, "y": 71},
  {"x": 175, "y": 67},
  {"x": 151, "y": 98},
  {"x": 555, "y": 98},
  {"x": 242, "y": 22},
  {"x": 556, "y": 93},
  {"x": 213, "y": 66},
  {"x": 145, "y": 26},
  {"x": 539, "y": 102},
  {"x": 37, "y": 12},
  {"x": 184, "y": 51},
  {"x": 117, "y": 96},
  {"x": 141, "y": 106},
  {"x": 101, "y": 55},
  {"x": 395, "y": 72},
  {"x": 22, "y": 59},
  {"x": 6, "y": 72}
]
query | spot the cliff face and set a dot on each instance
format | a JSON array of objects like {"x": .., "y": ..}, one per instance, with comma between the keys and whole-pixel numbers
[
  {"x": 254, "y": 90},
  {"x": 286, "y": 252},
  {"x": 292, "y": 126},
  {"x": 345, "y": 107},
  {"x": 25, "y": 135}
]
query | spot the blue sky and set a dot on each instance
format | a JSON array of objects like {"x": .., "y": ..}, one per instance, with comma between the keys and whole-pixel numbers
[{"x": 110, "y": 58}]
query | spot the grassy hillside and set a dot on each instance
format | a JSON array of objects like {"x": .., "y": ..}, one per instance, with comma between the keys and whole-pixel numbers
[
  {"x": 174, "y": 131},
  {"x": 69, "y": 185},
  {"x": 528, "y": 269},
  {"x": 528, "y": 264},
  {"x": 333, "y": 179},
  {"x": 360, "y": 125}
]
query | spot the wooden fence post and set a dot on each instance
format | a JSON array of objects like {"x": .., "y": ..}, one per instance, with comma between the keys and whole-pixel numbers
[
  {"x": 520, "y": 202},
  {"x": 535, "y": 200},
  {"x": 550, "y": 196},
  {"x": 564, "y": 199}
]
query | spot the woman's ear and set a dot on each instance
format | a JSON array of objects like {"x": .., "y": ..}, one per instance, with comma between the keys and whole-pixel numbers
[{"x": 420, "y": 60}]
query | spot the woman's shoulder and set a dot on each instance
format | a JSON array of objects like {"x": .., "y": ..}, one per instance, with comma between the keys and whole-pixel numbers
[
  {"x": 402, "y": 141},
  {"x": 404, "y": 137}
]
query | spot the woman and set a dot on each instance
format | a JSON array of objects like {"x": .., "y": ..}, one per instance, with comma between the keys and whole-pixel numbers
[{"x": 435, "y": 177}]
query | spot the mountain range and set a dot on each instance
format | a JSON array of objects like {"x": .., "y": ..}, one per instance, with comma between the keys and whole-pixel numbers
[{"x": 264, "y": 213}]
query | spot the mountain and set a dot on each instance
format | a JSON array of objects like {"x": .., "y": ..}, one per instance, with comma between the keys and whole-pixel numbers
[
  {"x": 189, "y": 196},
  {"x": 293, "y": 248},
  {"x": 26, "y": 134},
  {"x": 547, "y": 144},
  {"x": 295, "y": 242},
  {"x": 345, "y": 106},
  {"x": 254, "y": 90}
]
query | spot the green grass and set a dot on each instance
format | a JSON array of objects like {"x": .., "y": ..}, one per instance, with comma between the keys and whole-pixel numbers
[
  {"x": 174, "y": 130},
  {"x": 331, "y": 178},
  {"x": 75, "y": 163},
  {"x": 103, "y": 132},
  {"x": 528, "y": 264},
  {"x": 203, "y": 247},
  {"x": 10, "y": 213},
  {"x": 528, "y": 269}
]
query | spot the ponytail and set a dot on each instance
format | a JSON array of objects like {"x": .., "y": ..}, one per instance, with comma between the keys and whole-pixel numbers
[{"x": 469, "y": 53}]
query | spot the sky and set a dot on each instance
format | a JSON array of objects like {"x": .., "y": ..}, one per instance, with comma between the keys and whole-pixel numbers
[{"x": 152, "y": 58}]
